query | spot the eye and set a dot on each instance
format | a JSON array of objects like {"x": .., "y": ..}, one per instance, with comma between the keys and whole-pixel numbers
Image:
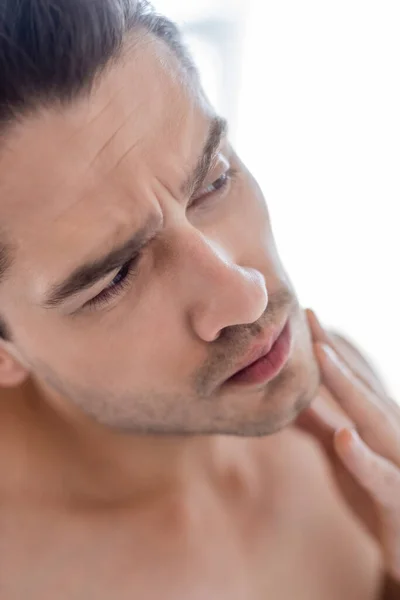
[
  {"x": 218, "y": 184},
  {"x": 217, "y": 187},
  {"x": 121, "y": 281}
]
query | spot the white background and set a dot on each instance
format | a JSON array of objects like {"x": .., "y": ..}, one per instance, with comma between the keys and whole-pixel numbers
[{"x": 313, "y": 95}]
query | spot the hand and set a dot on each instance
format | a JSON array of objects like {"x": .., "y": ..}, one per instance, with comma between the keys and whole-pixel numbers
[{"x": 362, "y": 438}]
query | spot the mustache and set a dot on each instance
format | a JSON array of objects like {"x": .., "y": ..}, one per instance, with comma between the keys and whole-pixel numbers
[{"x": 235, "y": 341}]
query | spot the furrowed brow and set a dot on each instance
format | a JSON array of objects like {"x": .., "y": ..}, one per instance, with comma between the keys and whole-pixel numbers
[
  {"x": 217, "y": 131},
  {"x": 85, "y": 276}
]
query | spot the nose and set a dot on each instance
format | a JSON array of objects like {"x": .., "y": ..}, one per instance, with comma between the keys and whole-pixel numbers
[{"x": 221, "y": 293}]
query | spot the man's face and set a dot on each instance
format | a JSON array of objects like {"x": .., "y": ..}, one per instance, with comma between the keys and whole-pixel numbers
[{"x": 147, "y": 342}]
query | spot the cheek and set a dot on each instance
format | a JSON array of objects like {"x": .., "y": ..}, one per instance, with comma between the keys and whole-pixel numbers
[
  {"x": 302, "y": 347},
  {"x": 147, "y": 349},
  {"x": 302, "y": 362}
]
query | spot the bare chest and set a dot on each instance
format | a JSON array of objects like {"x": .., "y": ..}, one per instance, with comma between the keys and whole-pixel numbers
[
  {"x": 284, "y": 536},
  {"x": 299, "y": 553}
]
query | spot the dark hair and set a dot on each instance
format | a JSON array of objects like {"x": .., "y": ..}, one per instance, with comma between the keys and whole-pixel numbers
[
  {"x": 4, "y": 333},
  {"x": 52, "y": 51}
]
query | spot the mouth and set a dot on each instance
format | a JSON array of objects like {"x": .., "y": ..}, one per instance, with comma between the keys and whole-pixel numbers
[{"x": 266, "y": 359}]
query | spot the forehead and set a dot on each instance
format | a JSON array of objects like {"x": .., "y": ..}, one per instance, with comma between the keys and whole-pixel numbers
[{"x": 99, "y": 161}]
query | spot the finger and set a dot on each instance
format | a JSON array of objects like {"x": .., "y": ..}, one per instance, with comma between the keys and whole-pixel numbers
[
  {"x": 357, "y": 363},
  {"x": 318, "y": 332},
  {"x": 321, "y": 428},
  {"x": 324, "y": 416},
  {"x": 381, "y": 479},
  {"x": 322, "y": 423},
  {"x": 379, "y": 476},
  {"x": 377, "y": 425}
]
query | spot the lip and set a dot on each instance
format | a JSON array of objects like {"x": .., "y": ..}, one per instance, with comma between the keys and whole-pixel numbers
[
  {"x": 261, "y": 347},
  {"x": 255, "y": 368}
]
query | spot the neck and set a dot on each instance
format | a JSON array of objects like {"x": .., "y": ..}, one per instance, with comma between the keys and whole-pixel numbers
[{"x": 73, "y": 459}]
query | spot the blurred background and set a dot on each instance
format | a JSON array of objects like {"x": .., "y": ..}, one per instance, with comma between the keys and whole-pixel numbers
[{"x": 312, "y": 93}]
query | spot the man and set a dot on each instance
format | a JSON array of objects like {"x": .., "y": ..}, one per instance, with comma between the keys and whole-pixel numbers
[{"x": 154, "y": 358}]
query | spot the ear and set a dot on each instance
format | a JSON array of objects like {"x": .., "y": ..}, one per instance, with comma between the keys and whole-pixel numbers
[{"x": 12, "y": 372}]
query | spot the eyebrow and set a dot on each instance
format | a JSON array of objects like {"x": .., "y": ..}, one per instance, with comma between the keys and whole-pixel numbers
[
  {"x": 218, "y": 130},
  {"x": 5, "y": 261},
  {"x": 85, "y": 276}
]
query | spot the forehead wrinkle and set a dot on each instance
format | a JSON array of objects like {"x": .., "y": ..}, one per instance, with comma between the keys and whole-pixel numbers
[
  {"x": 106, "y": 80},
  {"x": 108, "y": 143},
  {"x": 74, "y": 173},
  {"x": 112, "y": 139},
  {"x": 97, "y": 200},
  {"x": 118, "y": 184},
  {"x": 104, "y": 109},
  {"x": 76, "y": 178}
]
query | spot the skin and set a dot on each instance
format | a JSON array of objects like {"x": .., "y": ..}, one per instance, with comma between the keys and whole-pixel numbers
[
  {"x": 366, "y": 452},
  {"x": 205, "y": 287},
  {"x": 107, "y": 411}
]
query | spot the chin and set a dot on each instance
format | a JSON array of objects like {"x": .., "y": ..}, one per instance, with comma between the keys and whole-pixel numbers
[
  {"x": 289, "y": 394},
  {"x": 276, "y": 405}
]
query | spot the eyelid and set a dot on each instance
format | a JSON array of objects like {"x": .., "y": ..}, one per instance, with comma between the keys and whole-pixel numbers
[
  {"x": 226, "y": 168},
  {"x": 101, "y": 285},
  {"x": 104, "y": 282},
  {"x": 219, "y": 193},
  {"x": 108, "y": 293}
]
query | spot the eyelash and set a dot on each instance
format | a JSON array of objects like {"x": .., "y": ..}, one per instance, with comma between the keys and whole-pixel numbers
[
  {"x": 227, "y": 177},
  {"x": 128, "y": 271},
  {"x": 121, "y": 281}
]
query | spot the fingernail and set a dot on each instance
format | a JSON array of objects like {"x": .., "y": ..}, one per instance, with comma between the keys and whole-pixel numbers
[{"x": 350, "y": 436}]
